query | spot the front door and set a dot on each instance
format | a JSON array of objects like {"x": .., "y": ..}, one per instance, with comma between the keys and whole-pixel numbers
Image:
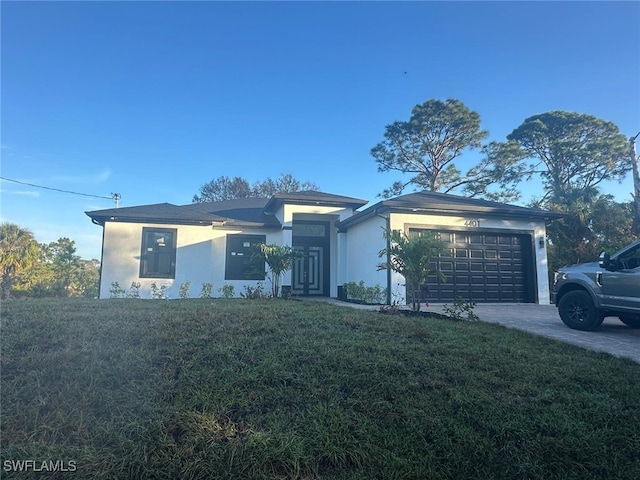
[{"x": 310, "y": 272}]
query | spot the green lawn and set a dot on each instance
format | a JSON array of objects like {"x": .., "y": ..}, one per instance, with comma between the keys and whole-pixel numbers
[{"x": 235, "y": 389}]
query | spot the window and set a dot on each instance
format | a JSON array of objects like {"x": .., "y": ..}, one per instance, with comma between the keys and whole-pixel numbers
[
  {"x": 630, "y": 259},
  {"x": 241, "y": 263},
  {"x": 158, "y": 254}
]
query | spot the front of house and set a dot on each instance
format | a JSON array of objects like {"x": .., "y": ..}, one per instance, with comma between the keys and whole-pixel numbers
[{"x": 497, "y": 252}]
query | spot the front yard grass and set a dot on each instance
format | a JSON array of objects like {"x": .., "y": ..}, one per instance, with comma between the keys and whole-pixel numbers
[{"x": 275, "y": 389}]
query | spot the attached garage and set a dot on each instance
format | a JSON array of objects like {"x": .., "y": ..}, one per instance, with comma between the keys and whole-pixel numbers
[
  {"x": 494, "y": 252},
  {"x": 484, "y": 267}
]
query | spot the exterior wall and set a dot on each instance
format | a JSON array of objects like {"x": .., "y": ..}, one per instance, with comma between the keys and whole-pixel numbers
[
  {"x": 363, "y": 242},
  {"x": 535, "y": 228},
  {"x": 200, "y": 258},
  {"x": 286, "y": 213}
]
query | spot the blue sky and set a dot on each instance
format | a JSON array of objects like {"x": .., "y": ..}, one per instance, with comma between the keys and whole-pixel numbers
[{"x": 153, "y": 99}]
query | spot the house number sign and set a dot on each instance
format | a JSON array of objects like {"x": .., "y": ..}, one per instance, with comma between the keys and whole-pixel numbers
[{"x": 471, "y": 223}]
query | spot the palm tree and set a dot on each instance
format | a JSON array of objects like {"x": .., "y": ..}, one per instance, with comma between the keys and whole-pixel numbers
[
  {"x": 279, "y": 259},
  {"x": 411, "y": 257},
  {"x": 18, "y": 252}
]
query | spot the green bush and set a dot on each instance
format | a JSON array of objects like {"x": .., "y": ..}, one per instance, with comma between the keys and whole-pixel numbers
[
  {"x": 358, "y": 292},
  {"x": 159, "y": 292},
  {"x": 205, "y": 292},
  {"x": 184, "y": 290},
  {"x": 134, "y": 290},
  {"x": 461, "y": 310},
  {"x": 227, "y": 291},
  {"x": 254, "y": 292},
  {"x": 116, "y": 291}
]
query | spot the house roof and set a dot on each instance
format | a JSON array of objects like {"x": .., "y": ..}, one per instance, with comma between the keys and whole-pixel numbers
[
  {"x": 445, "y": 204},
  {"x": 312, "y": 197},
  {"x": 246, "y": 212},
  {"x": 156, "y": 213},
  {"x": 241, "y": 212}
]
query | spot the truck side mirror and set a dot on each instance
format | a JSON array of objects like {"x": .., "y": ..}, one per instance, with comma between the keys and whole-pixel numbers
[{"x": 605, "y": 260}]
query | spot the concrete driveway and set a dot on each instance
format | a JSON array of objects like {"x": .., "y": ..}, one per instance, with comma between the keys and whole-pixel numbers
[{"x": 612, "y": 337}]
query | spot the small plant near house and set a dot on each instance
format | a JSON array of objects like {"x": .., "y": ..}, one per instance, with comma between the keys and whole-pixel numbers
[
  {"x": 159, "y": 292},
  {"x": 134, "y": 290},
  {"x": 254, "y": 292},
  {"x": 461, "y": 310},
  {"x": 116, "y": 291},
  {"x": 396, "y": 302},
  {"x": 184, "y": 290},
  {"x": 227, "y": 291},
  {"x": 205, "y": 292},
  {"x": 412, "y": 258},
  {"x": 360, "y": 293},
  {"x": 279, "y": 259}
]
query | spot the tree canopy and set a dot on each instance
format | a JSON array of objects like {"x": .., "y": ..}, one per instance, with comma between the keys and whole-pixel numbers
[
  {"x": 36, "y": 269},
  {"x": 571, "y": 152},
  {"x": 426, "y": 146},
  {"x": 225, "y": 188},
  {"x": 18, "y": 251}
]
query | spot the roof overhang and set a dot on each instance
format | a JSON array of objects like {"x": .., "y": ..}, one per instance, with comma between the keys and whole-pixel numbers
[{"x": 384, "y": 209}]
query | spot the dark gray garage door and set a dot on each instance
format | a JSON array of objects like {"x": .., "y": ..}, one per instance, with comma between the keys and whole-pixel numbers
[{"x": 484, "y": 267}]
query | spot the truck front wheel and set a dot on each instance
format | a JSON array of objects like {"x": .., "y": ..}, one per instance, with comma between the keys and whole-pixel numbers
[{"x": 577, "y": 311}]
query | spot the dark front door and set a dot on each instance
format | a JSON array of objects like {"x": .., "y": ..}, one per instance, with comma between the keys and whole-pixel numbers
[{"x": 310, "y": 272}]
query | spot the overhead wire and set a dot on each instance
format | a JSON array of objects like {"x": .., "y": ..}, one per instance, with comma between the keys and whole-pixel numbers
[{"x": 58, "y": 189}]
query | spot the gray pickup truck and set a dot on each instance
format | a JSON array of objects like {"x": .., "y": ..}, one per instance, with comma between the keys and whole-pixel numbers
[{"x": 587, "y": 293}]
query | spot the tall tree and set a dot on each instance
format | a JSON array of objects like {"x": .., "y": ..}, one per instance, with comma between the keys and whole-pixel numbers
[
  {"x": 597, "y": 223},
  {"x": 18, "y": 252},
  {"x": 225, "y": 188},
  {"x": 66, "y": 264},
  {"x": 426, "y": 146},
  {"x": 86, "y": 279},
  {"x": 571, "y": 152}
]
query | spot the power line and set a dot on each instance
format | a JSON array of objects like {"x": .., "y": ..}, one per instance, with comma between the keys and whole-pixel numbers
[{"x": 114, "y": 196}]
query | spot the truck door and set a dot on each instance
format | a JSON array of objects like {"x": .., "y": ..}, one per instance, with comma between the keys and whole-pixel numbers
[{"x": 621, "y": 288}]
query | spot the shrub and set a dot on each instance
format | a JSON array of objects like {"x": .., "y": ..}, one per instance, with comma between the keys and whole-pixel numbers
[
  {"x": 461, "y": 310},
  {"x": 253, "y": 292},
  {"x": 116, "y": 291},
  {"x": 159, "y": 292},
  {"x": 227, "y": 291},
  {"x": 361, "y": 293},
  {"x": 134, "y": 290},
  {"x": 184, "y": 290},
  {"x": 205, "y": 292}
]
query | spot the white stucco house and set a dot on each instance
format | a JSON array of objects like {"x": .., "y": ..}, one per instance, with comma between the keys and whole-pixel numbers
[{"x": 496, "y": 252}]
